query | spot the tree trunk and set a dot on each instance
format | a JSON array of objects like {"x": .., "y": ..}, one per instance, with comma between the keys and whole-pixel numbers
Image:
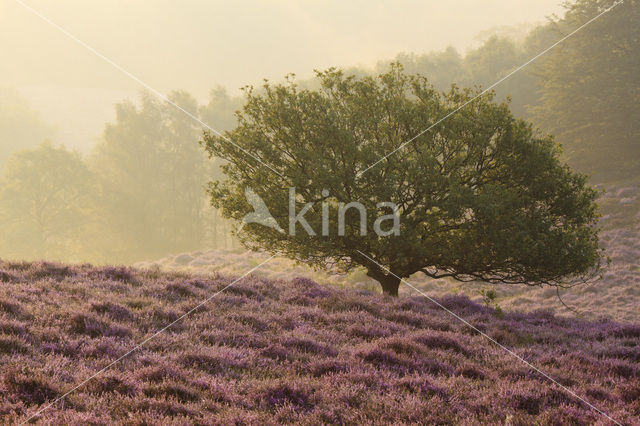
[{"x": 390, "y": 284}]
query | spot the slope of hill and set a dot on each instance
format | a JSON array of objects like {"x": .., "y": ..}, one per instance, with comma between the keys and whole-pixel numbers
[{"x": 272, "y": 351}]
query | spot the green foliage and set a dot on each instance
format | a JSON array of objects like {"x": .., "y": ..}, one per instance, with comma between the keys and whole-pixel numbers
[
  {"x": 481, "y": 196},
  {"x": 489, "y": 298},
  {"x": 591, "y": 90},
  {"x": 43, "y": 203}
]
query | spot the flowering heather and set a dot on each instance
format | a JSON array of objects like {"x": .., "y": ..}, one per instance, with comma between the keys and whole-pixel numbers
[{"x": 276, "y": 351}]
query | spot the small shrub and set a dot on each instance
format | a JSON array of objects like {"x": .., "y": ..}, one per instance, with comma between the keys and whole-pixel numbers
[
  {"x": 101, "y": 385},
  {"x": 622, "y": 368},
  {"x": 414, "y": 319},
  {"x": 12, "y": 328},
  {"x": 277, "y": 352},
  {"x": 245, "y": 291},
  {"x": 323, "y": 367},
  {"x": 12, "y": 308},
  {"x": 250, "y": 320},
  {"x": 309, "y": 346},
  {"x": 629, "y": 392},
  {"x": 287, "y": 394},
  {"x": 527, "y": 402},
  {"x": 93, "y": 327},
  {"x": 343, "y": 303},
  {"x": 105, "y": 347},
  {"x": 462, "y": 304},
  {"x": 171, "y": 389},
  {"x": 49, "y": 270},
  {"x": 213, "y": 362},
  {"x": 113, "y": 311},
  {"x": 388, "y": 360},
  {"x": 12, "y": 345},
  {"x": 421, "y": 387},
  {"x": 598, "y": 393},
  {"x": 30, "y": 388},
  {"x": 179, "y": 289},
  {"x": 112, "y": 273},
  {"x": 163, "y": 408},
  {"x": 158, "y": 373},
  {"x": 402, "y": 346},
  {"x": 470, "y": 372},
  {"x": 368, "y": 331},
  {"x": 234, "y": 339},
  {"x": 6, "y": 277},
  {"x": 439, "y": 341},
  {"x": 627, "y": 330},
  {"x": 523, "y": 397},
  {"x": 139, "y": 303}
]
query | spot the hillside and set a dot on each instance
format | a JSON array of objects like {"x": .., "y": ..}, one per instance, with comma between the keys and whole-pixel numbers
[{"x": 275, "y": 351}]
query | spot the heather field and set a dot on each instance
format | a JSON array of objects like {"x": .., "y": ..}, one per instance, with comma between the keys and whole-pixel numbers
[
  {"x": 319, "y": 213},
  {"x": 292, "y": 351}
]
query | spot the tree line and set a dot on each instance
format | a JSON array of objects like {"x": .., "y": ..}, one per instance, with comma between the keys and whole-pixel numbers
[{"x": 139, "y": 194}]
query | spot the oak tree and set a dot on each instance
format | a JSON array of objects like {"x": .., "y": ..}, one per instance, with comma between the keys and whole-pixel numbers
[{"x": 481, "y": 195}]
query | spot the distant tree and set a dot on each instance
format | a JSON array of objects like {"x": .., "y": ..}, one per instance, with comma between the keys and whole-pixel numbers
[
  {"x": 20, "y": 126},
  {"x": 484, "y": 66},
  {"x": 441, "y": 68},
  {"x": 481, "y": 196},
  {"x": 43, "y": 203},
  {"x": 498, "y": 57},
  {"x": 495, "y": 56},
  {"x": 219, "y": 112},
  {"x": 152, "y": 177},
  {"x": 591, "y": 90}
]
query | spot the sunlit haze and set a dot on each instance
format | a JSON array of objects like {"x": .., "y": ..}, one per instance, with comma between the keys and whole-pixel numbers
[{"x": 197, "y": 45}]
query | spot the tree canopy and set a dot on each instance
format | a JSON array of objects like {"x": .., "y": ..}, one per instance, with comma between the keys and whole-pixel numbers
[{"x": 482, "y": 196}]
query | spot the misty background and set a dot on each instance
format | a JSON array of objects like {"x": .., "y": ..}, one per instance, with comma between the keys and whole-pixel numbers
[
  {"x": 96, "y": 169},
  {"x": 198, "y": 45}
]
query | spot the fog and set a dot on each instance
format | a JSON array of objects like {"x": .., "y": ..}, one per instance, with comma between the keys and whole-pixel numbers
[{"x": 198, "y": 45}]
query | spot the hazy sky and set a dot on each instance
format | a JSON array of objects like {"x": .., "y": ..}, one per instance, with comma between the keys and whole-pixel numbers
[{"x": 198, "y": 44}]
